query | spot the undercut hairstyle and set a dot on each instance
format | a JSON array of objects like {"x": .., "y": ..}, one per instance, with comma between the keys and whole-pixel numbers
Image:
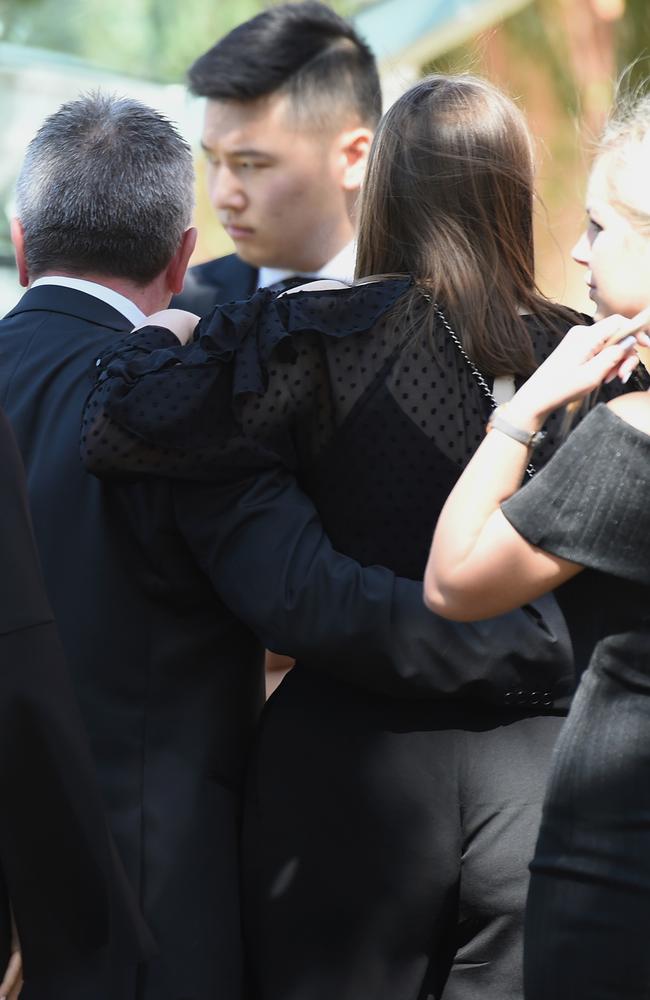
[
  {"x": 448, "y": 199},
  {"x": 106, "y": 188},
  {"x": 303, "y": 50}
]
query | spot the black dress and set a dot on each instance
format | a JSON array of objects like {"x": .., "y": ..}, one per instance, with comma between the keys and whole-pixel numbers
[
  {"x": 589, "y": 911},
  {"x": 73, "y": 907},
  {"x": 386, "y": 843}
]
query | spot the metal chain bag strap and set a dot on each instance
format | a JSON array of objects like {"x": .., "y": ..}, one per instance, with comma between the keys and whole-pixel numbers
[{"x": 478, "y": 377}]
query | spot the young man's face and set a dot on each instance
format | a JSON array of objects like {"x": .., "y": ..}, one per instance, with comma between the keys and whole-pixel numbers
[{"x": 277, "y": 187}]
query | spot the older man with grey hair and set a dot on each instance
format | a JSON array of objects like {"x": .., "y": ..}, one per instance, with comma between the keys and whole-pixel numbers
[{"x": 103, "y": 237}]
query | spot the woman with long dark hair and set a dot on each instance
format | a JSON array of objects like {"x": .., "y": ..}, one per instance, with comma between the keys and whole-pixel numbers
[{"x": 385, "y": 843}]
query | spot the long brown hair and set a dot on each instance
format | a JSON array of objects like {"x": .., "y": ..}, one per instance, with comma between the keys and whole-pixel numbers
[{"x": 448, "y": 199}]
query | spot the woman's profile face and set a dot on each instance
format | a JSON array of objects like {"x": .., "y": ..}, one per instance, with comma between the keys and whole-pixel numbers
[{"x": 614, "y": 251}]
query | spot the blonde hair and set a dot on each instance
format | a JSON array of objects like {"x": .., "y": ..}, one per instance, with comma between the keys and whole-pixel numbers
[{"x": 626, "y": 142}]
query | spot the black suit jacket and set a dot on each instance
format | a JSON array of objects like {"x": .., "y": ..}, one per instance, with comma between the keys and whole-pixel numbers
[
  {"x": 153, "y": 585},
  {"x": 226, "y": 279},
  {"x": 71, "y": 900}
]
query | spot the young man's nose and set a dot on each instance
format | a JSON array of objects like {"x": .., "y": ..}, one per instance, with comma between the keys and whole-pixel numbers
[{"x": 226, "y": 191}]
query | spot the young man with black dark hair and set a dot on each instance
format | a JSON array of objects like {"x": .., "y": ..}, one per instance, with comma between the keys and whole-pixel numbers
[{"x": 293, "y": 98}]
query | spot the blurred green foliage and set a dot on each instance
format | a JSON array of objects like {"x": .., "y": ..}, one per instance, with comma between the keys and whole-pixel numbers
[
  {"x": 633, "y": 42},
  {"x": 155, "y": 39},
  {"x": 536, "y": 31}
]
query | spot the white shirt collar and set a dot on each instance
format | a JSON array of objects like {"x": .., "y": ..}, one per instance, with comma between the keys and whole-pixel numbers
[
  {"x": 341, "y": 268},
  {"x": 108, "y": 295}
]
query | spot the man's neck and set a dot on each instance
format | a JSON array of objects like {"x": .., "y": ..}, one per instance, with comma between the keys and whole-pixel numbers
[
  {"x": 149, "y": 298},
  {"x": 339, "y": 267}
]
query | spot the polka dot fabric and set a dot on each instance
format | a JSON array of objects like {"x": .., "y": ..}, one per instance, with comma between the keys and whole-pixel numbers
[{"x": 377, "y": 424}]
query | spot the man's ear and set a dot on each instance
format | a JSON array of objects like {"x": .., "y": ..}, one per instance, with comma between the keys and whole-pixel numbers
[
  {"x": 18, "y": 240},
  {"x": 178, "y": 264},
  {"x": 354, "y": 146}
]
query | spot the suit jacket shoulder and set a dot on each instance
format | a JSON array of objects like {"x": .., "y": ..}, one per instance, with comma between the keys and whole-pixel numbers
[{"x": 226, "y": 279}]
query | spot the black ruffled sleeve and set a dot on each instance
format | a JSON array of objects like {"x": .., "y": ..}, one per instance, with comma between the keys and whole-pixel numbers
[
  {"x": 161, "y": 408},
  {"x": 590, "y": 503}
]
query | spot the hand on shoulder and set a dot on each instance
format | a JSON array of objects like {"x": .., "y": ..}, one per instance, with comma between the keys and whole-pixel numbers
[{"x": 178, "y": 321}]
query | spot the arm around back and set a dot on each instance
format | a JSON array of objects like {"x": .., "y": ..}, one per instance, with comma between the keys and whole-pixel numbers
[{"x": 265, "y": 550}]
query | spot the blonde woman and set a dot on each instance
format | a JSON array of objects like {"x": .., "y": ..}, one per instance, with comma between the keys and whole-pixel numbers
[{"x": 584, "y": 524}]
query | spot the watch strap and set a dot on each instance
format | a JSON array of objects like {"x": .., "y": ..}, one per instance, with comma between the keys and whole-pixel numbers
[{"x": 530, "y": 438}]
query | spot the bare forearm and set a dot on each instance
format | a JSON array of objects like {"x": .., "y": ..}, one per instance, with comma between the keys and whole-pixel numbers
[
  {"x": 479, "y": 565},
  {"x": 494, "y": 473},
  {"x": 459, "y": 556}
]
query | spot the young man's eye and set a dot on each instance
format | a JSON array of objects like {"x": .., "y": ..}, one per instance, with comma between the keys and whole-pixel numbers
[{"x": 252, "y": 164}]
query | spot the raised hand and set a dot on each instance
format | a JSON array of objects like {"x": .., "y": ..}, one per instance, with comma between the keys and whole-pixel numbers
[{"x": 586, "y": 357}]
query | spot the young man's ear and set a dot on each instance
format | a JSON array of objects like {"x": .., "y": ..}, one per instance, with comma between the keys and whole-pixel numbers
[
  {"x": 178, "y": 264},
  {"x": 354, "y": 148},
  {"x": 18, "y": 240}
]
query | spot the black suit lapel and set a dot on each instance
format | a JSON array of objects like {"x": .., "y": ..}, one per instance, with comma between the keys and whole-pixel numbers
[
  {"x": 227, "y": 279},
  {"x": 71, "y": 302},
  {"x": 236, "y": 278}
]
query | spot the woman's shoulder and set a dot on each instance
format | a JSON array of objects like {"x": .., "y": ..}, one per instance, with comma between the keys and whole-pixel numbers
[
  {"x": 634, "y": 410},
  {"x": 589, "y": 504},
  {"x": 271, "y": 331},
  {"x": 336, "y": 309}
]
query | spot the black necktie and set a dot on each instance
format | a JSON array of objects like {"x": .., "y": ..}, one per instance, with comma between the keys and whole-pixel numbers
[{"x": 291, "y": 282}]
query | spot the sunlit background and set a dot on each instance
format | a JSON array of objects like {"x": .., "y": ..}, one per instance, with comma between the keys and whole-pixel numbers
[{"x": 559, "y": 58}]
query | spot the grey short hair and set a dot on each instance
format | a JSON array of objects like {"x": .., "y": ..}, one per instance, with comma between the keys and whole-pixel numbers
[{"x": 106, "y": 187}]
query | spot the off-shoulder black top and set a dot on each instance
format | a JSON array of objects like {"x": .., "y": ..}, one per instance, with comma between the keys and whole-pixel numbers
[
  {"x": 591, "y": 505},
  {"x": 375, "y": 420}
]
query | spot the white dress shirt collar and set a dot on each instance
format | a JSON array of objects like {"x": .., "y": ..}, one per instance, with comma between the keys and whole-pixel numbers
[
  {"x": 341, "y": 268},
  {"x": 115, "y": 299}
]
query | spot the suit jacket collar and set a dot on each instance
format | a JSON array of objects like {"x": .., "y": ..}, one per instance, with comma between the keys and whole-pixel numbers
[
  {"x": 71, "y": 302},
  {"x": 232, "y": 278}
]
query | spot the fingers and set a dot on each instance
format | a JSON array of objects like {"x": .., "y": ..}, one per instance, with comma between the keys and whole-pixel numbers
[
  {"x": 627, "y": 367},
  {"x": 601, "y": 356},
  {"x": 616, "y": 359},
  {"x": 12, "y": 978},
  {"x": 597, "y": 335},
  {"x": 609, "y": 330}
]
